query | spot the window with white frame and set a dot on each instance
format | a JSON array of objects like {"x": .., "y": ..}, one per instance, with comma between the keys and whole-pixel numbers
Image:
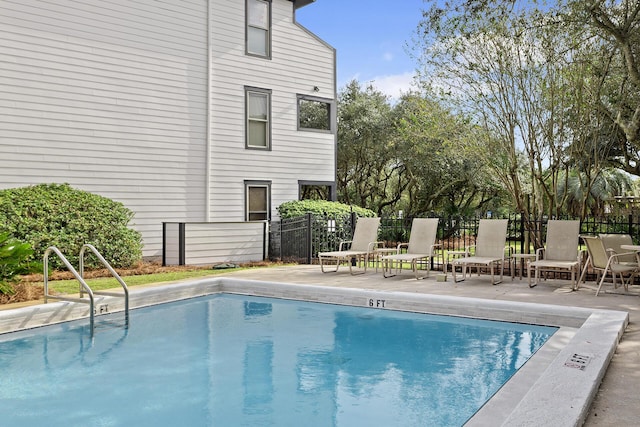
[
  {"x": 259, "y": 27},
  {"x": 314, "y": 113},
  {"x": 258, "y": 107},
  {"x": 258, "y": 200}
]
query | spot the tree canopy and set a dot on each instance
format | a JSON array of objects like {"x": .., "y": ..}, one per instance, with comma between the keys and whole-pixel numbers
[
  {"x": 522, "y": 106},
  {"x": 551, "y": 86},
  {"x": 409, "y": 156}
]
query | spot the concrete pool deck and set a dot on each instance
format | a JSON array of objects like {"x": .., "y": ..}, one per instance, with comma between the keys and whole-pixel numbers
[{"x": 616, "y": 401}]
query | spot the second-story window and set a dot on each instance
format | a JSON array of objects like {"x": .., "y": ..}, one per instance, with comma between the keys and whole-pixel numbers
[
  {"x": 258, "y": 129},
  {"x": 314, "y": 113},
  {"x": 259, "y": 27}
]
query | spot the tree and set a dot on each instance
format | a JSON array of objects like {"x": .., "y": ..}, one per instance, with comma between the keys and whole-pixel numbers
[
  {"x": 536, "y": 89},
  {"x": 431, "y": 146},
  {"x": 614, "y": 25},
  {"x": 364, "y": 176},
  {"x": 410, "y": 156},
  {"x": 502, "y": 68},
  {"x": 599, "y": 196}
]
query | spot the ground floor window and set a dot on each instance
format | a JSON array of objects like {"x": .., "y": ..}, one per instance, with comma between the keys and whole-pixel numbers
[
  {"x": 317, "y": 190},
  {"x": 257, "y": 200}
]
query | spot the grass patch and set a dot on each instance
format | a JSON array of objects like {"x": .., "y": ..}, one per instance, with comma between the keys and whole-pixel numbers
[
  {"x": 102, "y": 283},
  {"x": 31, "y": 287}
]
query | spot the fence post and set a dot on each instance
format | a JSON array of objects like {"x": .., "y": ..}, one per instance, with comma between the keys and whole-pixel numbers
[
  {"x": 630, "y": 219},
  {"x": 353, "y": 228},
  {"x": 181, "y": 243},
  {"x": 522, "y": 235},
  {"x": 164, "y": 244},
  {"x": 309, "y": 237},
  {"x": 265, "y": 240}
]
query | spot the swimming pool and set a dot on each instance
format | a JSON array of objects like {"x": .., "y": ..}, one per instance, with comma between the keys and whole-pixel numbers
[
  {"x": 239, "y": 360},
  {"x": 552, "y": 379}
]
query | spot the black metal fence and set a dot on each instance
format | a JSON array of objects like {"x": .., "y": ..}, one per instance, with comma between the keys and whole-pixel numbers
[{"x": 300, "y": 239}]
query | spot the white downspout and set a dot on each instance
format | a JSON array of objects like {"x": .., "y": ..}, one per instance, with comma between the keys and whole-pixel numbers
[{"x": 209, "y": 148}]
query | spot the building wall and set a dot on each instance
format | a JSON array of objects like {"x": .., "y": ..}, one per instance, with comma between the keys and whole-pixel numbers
[
  {"x": 110, "y": 96},
  {"x": 299, "y": 62}
]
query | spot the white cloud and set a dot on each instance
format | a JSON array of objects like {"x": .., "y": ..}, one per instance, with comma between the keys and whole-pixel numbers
[
  {"x": 393, "y": 85},
  {"x": 387, "y": 56}
]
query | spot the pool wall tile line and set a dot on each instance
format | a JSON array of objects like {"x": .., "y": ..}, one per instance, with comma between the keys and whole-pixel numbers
[
  {"x": 62, "y": 311},
  {"x": 559, "y": 391},
  {"x": 540, "y": 314},
  {"x": 41, "y": 315},
  {"x": 158, "y": 295}
]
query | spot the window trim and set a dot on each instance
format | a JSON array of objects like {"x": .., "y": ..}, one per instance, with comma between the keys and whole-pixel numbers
[
  {"x": 261, "y": 91},
  {"x": 330, "y": 103},
  {"x": 268, "y": 29},
  {"x": 254, "y": 183}
]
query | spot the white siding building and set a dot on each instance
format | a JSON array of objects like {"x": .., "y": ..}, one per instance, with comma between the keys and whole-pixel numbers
[{"x": 185, "y": 111}]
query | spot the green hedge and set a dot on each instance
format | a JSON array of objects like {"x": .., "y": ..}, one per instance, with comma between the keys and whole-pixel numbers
[
  {"x": 297, "y": 208},
  {"x": 58, "y": 215}
]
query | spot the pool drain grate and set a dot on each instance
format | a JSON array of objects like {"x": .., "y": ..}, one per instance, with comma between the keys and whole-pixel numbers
[{"x": 577, "y": 361}]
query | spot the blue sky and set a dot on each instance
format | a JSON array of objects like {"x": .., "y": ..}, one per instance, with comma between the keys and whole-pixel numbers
[{"x": 370, "y": 37}]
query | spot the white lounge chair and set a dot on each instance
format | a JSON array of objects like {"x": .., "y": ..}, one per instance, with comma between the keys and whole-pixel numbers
[
  {"x": 489, "y": 250},
  {"x": 362, "y": 246},
  {"x": 560, "y": 251},
  {"x": 603, "y": 263},
  {"x": 422, "y": 246}
]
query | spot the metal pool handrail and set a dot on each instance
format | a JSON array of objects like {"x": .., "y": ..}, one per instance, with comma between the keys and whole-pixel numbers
[
  {"x": 77, "y": 276},
  {"x": 84, "y": 287},
  {"x": 113, "y": 273}
]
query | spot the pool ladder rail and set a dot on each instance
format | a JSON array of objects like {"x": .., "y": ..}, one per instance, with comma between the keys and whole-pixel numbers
[{"x": 84, "y": 288}]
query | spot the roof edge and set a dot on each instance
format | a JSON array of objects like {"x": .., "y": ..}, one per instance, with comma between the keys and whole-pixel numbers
[{"x": 297, "y": 4}]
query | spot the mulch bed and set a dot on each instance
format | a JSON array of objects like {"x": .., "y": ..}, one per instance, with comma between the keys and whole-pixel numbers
[{"x": 25, "y": 291}]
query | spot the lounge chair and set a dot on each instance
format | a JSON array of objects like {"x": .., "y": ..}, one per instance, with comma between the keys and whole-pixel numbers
[
  {"x": 613, "y": 244},
  {"x": 603, "y": 263},
  {"x": 422, "y": 246},
  {"x": 560, "y": 251},
  {"x": 362, "y": 246},
  {"x": 489, "y": 250}
]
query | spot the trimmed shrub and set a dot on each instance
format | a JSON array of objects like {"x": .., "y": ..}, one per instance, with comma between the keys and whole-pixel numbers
[
  {"x": 297, "y": 208},
  {"x": 58, "y": 215},
  {"x": 14, "y": 256}
]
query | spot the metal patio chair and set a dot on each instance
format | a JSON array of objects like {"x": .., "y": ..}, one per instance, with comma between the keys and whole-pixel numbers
[
  {"x": 603, "y": 263},
  {"x": 362, "y": 247},
  {"x": 490, "y": 249},
  {"x": 422, "y": 246},
  {"x": 560, "y": 251}
]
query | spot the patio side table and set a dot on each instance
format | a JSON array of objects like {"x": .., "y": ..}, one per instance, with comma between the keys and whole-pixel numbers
[
  {"x": 451, "y": 255},
  {"x": 519, "y": 261},
  {"x": 380, "y": 252}
]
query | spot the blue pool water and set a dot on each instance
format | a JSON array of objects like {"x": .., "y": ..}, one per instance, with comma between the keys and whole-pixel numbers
[{"x": 230, "y": 360}]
